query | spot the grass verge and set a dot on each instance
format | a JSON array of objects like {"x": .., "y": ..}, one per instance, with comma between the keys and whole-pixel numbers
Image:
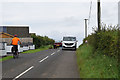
[
  {"x": 30, "y": 51},
  {"x": 95, "y": 65},
  {"x": 37, "y": 50},
  {"x": 6, "y": 58}
]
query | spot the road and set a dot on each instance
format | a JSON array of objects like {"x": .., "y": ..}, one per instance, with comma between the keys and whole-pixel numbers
[{"x": 52, "y": 63}]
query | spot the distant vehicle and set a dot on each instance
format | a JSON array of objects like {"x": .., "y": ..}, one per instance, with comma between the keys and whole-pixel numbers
[
  {"x": 69, "y": 42},
  {"x": 57, "y": 44}
]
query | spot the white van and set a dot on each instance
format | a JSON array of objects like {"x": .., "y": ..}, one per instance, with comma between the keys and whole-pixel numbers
[{"x": 69, "y": 42}]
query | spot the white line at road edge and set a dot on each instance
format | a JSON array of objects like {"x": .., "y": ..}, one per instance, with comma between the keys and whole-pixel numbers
[
  {"x": 23, "y": 73},
  {"x": 52, "y": 53},
  {"x": 44, "y": 59}
]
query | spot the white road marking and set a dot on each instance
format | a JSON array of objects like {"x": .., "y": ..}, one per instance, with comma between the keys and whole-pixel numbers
[
  {"x": 58, "y": 50},
  {"x": 44, "y": 59},
  {"x": 23, "y": 72},
  {"x": 52, "y": 53}
]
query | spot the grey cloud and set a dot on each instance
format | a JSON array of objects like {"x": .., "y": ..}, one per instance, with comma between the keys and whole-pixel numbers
[{"x": 56, "y": 19}]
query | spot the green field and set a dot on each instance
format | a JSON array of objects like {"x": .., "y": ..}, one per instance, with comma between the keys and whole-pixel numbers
[{"x": 95, "y": 65}]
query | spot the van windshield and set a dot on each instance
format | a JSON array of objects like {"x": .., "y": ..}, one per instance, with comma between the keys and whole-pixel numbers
[{"x": 69, "y": 38}]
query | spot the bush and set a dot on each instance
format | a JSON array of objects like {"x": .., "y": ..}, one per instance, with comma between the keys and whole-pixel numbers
[
  {"x": 105, "y": 53},
  {"x": 107, "y": 40},
  {"x": 40, "y": 41}
]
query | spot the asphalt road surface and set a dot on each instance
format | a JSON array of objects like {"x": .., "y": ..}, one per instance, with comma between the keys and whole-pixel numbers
[{"x": 52, "y": 63}]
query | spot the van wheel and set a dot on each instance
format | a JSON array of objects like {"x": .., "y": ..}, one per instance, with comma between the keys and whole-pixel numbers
[{"x": 75, "y": 48}]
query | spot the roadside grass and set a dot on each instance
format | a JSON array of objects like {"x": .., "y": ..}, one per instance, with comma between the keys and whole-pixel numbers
[
  {"x": 6, "y": 58},
  {"x": 95, "y": 65},
  {"x": 37, "y": 50}
]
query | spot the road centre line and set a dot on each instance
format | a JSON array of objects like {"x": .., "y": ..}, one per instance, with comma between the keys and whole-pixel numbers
[
  {"x": 52, "y": 53},
  {"x": 32, "y": 67},
  {"x": 44, "y": 59},
  {"x": 23, "y": 72},
  {"x": 58, "y": 50}
]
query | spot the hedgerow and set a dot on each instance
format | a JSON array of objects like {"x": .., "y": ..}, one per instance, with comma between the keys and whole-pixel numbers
[
  {"x": 107, "y": 40},
  {"x": 40, "y": 41}
]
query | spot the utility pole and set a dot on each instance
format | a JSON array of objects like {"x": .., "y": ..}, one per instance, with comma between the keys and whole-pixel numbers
[
  {"x": 99, "y": 14},
  {"x": 85, "y": 27}
]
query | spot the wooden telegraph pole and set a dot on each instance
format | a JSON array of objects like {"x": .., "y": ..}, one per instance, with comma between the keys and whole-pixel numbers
[{"x": 99, "y": 14}]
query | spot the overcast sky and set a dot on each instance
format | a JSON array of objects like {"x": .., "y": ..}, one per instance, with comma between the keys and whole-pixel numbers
[{"x": 57, "y": 18}]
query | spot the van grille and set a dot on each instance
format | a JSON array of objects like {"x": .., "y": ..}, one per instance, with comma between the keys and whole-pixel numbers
[{"x": 69, "y": 43}]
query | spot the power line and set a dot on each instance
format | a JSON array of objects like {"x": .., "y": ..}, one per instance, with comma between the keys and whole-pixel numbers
[
  {"x": 86, "y": 27},
  {"x": 90, "y": 13}
]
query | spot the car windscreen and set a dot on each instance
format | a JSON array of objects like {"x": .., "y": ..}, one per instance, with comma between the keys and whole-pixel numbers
[{"x": 69, "y": 38}]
